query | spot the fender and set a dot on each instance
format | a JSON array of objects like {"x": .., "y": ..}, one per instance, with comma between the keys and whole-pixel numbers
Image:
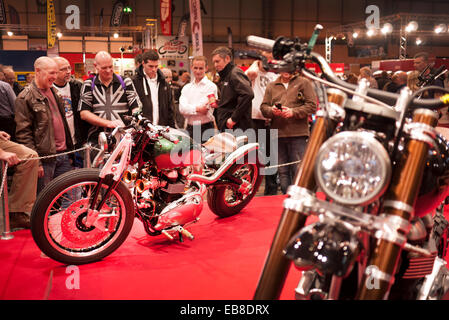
[{"x": 233, "y": 158}]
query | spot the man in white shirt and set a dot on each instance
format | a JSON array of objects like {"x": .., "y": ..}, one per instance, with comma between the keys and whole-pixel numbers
[{"x": 196, "y": 102}]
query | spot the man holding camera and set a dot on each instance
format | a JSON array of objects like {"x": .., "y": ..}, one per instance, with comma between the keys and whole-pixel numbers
[{"x": 289, "y": 101}]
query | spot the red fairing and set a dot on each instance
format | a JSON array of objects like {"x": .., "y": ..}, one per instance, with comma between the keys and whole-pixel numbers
[{"x": 172, "y": 161}]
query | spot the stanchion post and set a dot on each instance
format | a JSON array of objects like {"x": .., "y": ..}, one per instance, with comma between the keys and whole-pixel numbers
[
  {"x": 87, "y": 163},
  {"x": 6, "y": 232}
]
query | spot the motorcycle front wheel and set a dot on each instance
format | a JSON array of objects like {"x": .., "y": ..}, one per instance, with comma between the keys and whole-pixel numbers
[
  {"x": 59, "y": 215},
  {"x": 227, "y": 200}
]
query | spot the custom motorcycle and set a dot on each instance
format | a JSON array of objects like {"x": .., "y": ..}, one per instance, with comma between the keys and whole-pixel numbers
[
  {"x": 372, "y": 180},
  {"x": 157, "y": 174}
]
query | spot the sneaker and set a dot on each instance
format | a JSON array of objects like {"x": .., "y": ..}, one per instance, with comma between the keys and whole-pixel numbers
[{"x": 19, "y": 220}]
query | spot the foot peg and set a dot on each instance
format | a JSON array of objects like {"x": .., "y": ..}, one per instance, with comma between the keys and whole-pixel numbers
[{"x": 182, "y": 232}]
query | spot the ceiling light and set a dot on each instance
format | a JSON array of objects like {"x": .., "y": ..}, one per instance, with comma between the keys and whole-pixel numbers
[
  {"x": 387, "y": 28},
  {"x": 412, "y": 26},
  {"x": 10, "y": 33},
  {"x": 355, "y": 35},
  {"x": 440, "y": 28},
  {"x": 418, "y": 41},
  {"x": 370, "y": 32},
  {"x": 116, "y": 35},
  {"x": 59, "y": 34}
]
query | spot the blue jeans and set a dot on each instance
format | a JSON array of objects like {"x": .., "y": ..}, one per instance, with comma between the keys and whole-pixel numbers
[
  {"x": 53, "y": 168},
  {"x": 290, "y": 149}
]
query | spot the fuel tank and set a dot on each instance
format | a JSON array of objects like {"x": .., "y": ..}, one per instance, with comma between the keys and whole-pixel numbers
[{"x": 168, "y": 155}]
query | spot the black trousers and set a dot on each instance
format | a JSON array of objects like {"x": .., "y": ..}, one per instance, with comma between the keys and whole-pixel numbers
[
  {"x": 271, "y": 184},
  {"x": 8, "y": 125},
  {"x": 195, "y": 129}
]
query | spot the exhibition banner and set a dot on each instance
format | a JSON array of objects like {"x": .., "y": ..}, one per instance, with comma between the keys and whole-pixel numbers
[
  {"x": 195, "y": 23},
  {"x": 166, "y": 17},
  {"x": 171, "y": 47},
  {"x": 117, "y": 14},
  {"x": 51, "y": 24},
  {"x": 2, "y": 12}
]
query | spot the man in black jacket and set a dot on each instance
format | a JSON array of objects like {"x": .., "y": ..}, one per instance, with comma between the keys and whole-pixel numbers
[
  {"x": 234, "y": 108},
  {"x": 154, "y": 91}
]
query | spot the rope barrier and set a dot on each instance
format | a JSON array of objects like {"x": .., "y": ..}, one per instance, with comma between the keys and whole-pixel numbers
[
  {"x": 42, "y": 158},
  {"x": 283, "y": 165}
]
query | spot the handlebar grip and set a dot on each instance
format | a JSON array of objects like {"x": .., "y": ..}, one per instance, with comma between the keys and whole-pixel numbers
[
  {"x": 169, "y": 137},
  {"x": 260, "y": 43}
]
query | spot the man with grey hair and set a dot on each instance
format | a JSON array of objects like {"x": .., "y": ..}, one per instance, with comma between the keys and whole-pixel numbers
[
  {"x": 234, "y": 107},
  {"x": 106, "y": 98},
  {"x": 41, "y": 124},
  {"x": 422, "y": 64}
]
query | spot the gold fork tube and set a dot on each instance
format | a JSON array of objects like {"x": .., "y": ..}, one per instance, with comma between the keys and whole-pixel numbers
[
  {"x": 276, "y": 265},
  {"x": 400, "y": 197}
]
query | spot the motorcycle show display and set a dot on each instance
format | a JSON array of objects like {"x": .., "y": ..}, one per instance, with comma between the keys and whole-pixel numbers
[
  {"x": 157, "y": 174},
  {"x": 374, "y": 178}
]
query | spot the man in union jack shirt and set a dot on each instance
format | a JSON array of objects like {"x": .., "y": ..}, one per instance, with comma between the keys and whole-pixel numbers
[{"x": 106, "y": 97}]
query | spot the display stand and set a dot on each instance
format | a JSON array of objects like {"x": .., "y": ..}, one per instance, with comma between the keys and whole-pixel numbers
[{"x": 4, "y": 213}]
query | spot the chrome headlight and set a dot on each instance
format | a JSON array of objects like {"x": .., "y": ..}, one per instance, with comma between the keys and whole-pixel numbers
[{"x": 353, "y": 168}]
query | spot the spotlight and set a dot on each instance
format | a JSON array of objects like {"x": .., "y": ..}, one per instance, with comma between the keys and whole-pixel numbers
[
  {"x": 116, "y": 35},
  {"x": 59, "y": 34},
  {"x": 440, "y": 28},
  {"x": 10, "y": 33},
  {"x": 355, "y": 35},
  {"x": 412, "y": 26},
  {"x": 370, "y": 32},
  {"x": 387, "y": 28},
  {"x": 418, "y": 41}
]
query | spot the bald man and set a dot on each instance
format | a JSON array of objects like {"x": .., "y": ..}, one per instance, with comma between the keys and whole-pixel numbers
[
  {"x": 41, "y": 124},
  {"x": 106, "y": 98},
  {"x": 69, "y": 90}
]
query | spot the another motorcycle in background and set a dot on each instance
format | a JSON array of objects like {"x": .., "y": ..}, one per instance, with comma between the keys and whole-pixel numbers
[
  {"x": 157, "y": 174},
  {"x": 374, "y": 172}
]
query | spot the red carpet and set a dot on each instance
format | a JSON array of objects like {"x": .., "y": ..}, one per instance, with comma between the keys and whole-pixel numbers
[{"x": 222, "y": 263}]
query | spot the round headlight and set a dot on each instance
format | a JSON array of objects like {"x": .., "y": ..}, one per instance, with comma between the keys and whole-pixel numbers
[{"x": 353, "y": 168}]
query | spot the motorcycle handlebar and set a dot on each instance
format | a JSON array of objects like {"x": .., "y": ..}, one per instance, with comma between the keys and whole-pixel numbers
[{"x": 386, "y": 97}]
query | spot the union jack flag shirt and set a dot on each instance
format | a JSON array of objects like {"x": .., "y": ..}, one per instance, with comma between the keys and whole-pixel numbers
[{"x": 111, "y": 102}]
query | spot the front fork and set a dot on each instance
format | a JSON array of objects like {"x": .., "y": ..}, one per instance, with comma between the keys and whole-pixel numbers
[
  {"x": 277, "y": 265},
  {"x": 123, "y": 150},
  {"x": 399, "y": 201}
]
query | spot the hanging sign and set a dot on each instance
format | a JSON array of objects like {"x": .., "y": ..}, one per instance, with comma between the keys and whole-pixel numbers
[
  {"x": 195, "y": 24},
  {"x": 166, "y": 17},
  {"x": 51, "y": 24}
]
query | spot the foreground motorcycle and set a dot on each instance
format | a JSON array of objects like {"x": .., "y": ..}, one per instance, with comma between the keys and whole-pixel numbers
[
  {"x": 156, "y": 173},
  {"x": 374, "y": 171}
]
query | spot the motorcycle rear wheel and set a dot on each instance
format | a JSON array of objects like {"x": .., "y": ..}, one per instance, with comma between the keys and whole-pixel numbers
[
  {"x": 225, "y": 201},
  {"x": 58, "y": 218}
]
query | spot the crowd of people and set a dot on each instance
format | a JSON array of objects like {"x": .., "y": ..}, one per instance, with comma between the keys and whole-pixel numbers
[{"x": 55, "y": 113}]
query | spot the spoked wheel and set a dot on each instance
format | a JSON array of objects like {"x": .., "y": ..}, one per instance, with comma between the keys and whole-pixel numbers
[
  {"x": 227, "y": 200},
  {"x": 59, "y": 218}
]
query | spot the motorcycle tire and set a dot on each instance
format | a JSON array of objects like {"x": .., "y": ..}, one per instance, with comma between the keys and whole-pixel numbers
[
  {"x": 217, "y": 197},
  {"x": 60, "y": 231}
]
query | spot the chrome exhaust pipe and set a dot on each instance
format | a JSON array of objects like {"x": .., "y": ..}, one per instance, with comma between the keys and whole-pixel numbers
[{"x": 233, "y": 157}]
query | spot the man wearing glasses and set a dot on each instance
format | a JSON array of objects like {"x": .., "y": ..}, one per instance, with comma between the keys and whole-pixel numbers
[{"x": 69, "y": 90}]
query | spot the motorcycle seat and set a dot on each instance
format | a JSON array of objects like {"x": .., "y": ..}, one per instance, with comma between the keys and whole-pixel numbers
[{"x": 221, "y": 143}]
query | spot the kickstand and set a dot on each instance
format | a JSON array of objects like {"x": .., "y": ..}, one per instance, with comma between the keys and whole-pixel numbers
[{"x": 181, "y": 239}]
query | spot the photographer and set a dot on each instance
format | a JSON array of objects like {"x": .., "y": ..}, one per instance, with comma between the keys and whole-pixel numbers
[{"x": 289, "y": 101}]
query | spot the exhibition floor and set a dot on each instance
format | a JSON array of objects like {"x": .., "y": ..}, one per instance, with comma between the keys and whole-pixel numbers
[{"x": 222, "y": 263}]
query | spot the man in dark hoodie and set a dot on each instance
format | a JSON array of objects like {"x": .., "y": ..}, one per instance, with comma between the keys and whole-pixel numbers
[
  {"x": 154, "y": 91},
  {"x": 234, "y": 108}
]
